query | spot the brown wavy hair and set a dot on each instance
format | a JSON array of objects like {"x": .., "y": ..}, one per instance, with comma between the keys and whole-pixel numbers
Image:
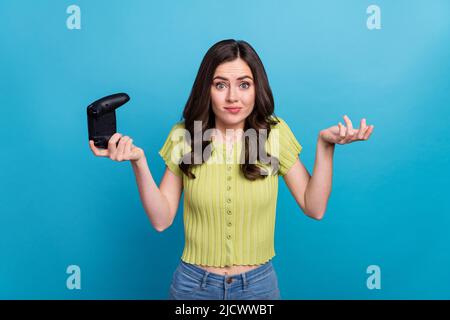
[{"x": 198, "y": 107}]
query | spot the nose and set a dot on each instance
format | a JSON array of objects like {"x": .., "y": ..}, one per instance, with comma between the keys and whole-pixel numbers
[{"x": 232, "y": 95}]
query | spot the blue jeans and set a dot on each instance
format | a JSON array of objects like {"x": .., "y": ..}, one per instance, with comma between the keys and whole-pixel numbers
[{"x": 191, "y": 282}]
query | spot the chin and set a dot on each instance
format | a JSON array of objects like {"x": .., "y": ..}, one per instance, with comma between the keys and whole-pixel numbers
[{"x": 233, "y": 119}]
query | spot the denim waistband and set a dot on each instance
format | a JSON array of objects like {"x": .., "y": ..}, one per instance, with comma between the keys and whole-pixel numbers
[{"x": 200, "y": 274}]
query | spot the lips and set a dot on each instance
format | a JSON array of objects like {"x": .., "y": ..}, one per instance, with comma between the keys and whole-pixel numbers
[{"x": 233, "y": 109}]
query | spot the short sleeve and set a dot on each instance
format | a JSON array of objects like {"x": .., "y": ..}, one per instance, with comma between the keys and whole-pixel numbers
[
  {"x": 173, "y": 148},
  {"x": 284, "y": 146}
]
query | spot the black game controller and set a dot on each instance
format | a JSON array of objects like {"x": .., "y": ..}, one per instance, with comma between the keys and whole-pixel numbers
[{"x": 102, "y": 118}]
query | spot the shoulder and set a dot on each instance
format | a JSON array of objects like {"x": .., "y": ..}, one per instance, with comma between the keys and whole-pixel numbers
[
  {"x": 175, "y": 142},
  {"x": 177, "y": 131},
  {"x": 282, "y": 133},
  {"x": 178, "y": 125},
  {"x": 277, "y": 121},
  {"x": 280, "y": 124}
]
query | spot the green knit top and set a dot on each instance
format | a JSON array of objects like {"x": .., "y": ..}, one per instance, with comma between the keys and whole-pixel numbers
[{"x": 228, "y": 219}]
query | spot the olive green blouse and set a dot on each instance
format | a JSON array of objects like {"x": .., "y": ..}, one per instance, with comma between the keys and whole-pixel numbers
[{"x": 228, "y": 219}]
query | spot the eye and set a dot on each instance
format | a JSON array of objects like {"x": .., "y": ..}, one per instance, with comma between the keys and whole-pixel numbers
[
  {"x": 245, "y": 85},
  {"x": 220, "y": 85}
]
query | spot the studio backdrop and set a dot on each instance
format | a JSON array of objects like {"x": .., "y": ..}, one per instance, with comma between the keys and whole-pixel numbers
[{"x": 72, "y": 225}]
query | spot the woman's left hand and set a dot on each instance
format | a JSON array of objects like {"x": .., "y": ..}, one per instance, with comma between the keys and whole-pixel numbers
[{"x": 342, "y": 135}]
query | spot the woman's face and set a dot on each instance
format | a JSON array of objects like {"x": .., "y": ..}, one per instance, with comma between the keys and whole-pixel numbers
[{"x": 232, "y": 94}]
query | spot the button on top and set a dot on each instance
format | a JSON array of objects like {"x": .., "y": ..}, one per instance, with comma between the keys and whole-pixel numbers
[
  {"x": 229, "y": 168},
  {"x": 228, "y": 200},
  {"x": 229, "y": 280},
  {"x": 229, "y": 236},
  {"x": 229, "y": 211},
  {"x": 229, "y": 224}
]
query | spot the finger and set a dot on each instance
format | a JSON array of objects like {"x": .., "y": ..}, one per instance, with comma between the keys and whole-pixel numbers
[
  {"x": 135, "y": 152},
  {"x": 97, "y": 151},
  {"x": 349, "y": 134},
  {"x": 112, "y": 147},
  {"x": 364, "y": 132},
  {"x": 341, "y": 130},
  {"x": 369, "y": 132},
  {"x": 362, "y": 129},
  {"x": 120, "y": 148},
  {"x": 127, "y": 149}
]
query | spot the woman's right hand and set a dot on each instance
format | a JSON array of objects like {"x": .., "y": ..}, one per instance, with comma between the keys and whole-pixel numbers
[{"x": 124, "y": 150}]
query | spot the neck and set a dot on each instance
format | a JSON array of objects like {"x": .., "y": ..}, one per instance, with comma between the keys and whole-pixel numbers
[{"x": 233, "y": 135}]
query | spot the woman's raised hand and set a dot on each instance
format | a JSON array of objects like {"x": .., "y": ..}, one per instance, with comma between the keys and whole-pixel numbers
[
  {"x": 120, "y": 148},
  {"x": 341, "y": 134}
]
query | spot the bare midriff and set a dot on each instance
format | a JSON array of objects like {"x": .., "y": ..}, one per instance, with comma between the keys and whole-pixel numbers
[{"x": 235, "y": 269}]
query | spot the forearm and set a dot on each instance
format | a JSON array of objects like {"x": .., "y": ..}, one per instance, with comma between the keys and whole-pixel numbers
[
  {"x": 319, "y": 186},
  {"x": 154, "y": 202}
]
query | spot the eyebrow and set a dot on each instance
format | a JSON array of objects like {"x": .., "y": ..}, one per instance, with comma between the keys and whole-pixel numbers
[{"x": 240, "y": 78}]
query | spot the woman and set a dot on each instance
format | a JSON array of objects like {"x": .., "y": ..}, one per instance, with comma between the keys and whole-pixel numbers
[{"x": 230, "y": 177}]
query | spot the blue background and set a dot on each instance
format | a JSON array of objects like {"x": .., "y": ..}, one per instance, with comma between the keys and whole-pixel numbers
[{"x": 60, "y": 205}]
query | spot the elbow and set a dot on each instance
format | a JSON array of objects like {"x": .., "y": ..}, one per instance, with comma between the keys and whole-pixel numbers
[
  {"x": 316, "y": 215},
  {"x": 161, "y": 228}
]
